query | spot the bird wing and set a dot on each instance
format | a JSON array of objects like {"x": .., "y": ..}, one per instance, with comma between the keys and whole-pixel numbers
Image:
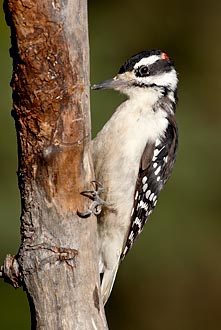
[{"x": 156, "y": 166}]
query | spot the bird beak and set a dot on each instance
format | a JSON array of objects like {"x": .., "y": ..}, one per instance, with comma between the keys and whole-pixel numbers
[{"x": 115, "y": 83}]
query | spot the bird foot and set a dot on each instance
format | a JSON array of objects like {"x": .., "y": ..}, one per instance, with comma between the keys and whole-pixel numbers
[{"x": 97, "y": 204}]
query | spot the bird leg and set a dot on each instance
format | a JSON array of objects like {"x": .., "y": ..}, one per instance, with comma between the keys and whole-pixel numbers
[{"x": 97, "y": 204}]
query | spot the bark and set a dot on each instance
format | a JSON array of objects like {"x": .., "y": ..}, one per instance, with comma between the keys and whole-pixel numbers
[{"x": 57, "y": 260}]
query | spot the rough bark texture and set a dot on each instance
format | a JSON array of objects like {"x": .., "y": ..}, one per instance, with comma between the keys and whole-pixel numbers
[{"x": 58, "y": 254}]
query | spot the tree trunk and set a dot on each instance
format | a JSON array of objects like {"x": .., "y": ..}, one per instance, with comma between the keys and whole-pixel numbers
[{"x": 57, "y": 260}]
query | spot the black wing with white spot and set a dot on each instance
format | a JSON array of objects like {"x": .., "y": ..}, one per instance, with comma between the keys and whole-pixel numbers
[{"x": 155, "y": 168}]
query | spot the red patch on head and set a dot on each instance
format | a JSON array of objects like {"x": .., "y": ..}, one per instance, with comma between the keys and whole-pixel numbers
[{"x": 164, "y": 56}]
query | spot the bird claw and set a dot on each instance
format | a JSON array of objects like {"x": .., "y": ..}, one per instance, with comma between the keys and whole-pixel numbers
[{"x": 93, "y": 194}]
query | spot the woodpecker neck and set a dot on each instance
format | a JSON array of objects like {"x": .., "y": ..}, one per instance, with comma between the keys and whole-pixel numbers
[{"x": 153, "y": 96}]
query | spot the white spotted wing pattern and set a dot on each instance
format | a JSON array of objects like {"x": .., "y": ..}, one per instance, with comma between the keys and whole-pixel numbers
[{"x": 155, "y": 168}]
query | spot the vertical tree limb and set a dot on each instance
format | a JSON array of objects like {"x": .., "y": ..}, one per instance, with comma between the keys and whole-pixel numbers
[{"x": 58, "y": 254}]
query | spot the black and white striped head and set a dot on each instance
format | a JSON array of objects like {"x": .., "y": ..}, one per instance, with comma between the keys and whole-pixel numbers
[{"x": 148, "y": 69}]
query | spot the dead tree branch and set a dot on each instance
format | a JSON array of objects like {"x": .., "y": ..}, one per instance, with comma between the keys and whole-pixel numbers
[{"x": 57, "y": 260}]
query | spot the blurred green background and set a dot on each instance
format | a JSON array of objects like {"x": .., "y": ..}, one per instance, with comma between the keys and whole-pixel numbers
[{"x": 172, "y": 277}]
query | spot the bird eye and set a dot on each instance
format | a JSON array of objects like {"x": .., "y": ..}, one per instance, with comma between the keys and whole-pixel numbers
[{"x": 142, "y": 71}]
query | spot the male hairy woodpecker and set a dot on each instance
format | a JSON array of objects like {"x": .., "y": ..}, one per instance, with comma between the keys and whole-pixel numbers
[{"x": 134, "y": 154}]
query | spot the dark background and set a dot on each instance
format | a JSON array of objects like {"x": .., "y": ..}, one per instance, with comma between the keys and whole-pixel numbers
[{"x": 172, "y": 277}]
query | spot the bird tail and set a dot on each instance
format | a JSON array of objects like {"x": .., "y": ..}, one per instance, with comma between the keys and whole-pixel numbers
[{"x": 107, "y": 282}]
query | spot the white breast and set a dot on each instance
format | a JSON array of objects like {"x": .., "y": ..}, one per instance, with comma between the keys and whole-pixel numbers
[
  {"x": 117, "y": 151},
  {"x": 120, "y": 144}
]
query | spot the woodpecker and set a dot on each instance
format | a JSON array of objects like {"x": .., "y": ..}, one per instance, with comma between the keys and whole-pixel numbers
[{"x": 134, "y": 155}]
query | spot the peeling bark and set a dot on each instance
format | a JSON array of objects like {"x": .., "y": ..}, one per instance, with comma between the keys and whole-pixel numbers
[{"x": 58, "y": 254}]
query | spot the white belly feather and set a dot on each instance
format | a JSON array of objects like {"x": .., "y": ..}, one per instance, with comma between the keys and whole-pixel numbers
[{"x": 117, "y": 151}]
